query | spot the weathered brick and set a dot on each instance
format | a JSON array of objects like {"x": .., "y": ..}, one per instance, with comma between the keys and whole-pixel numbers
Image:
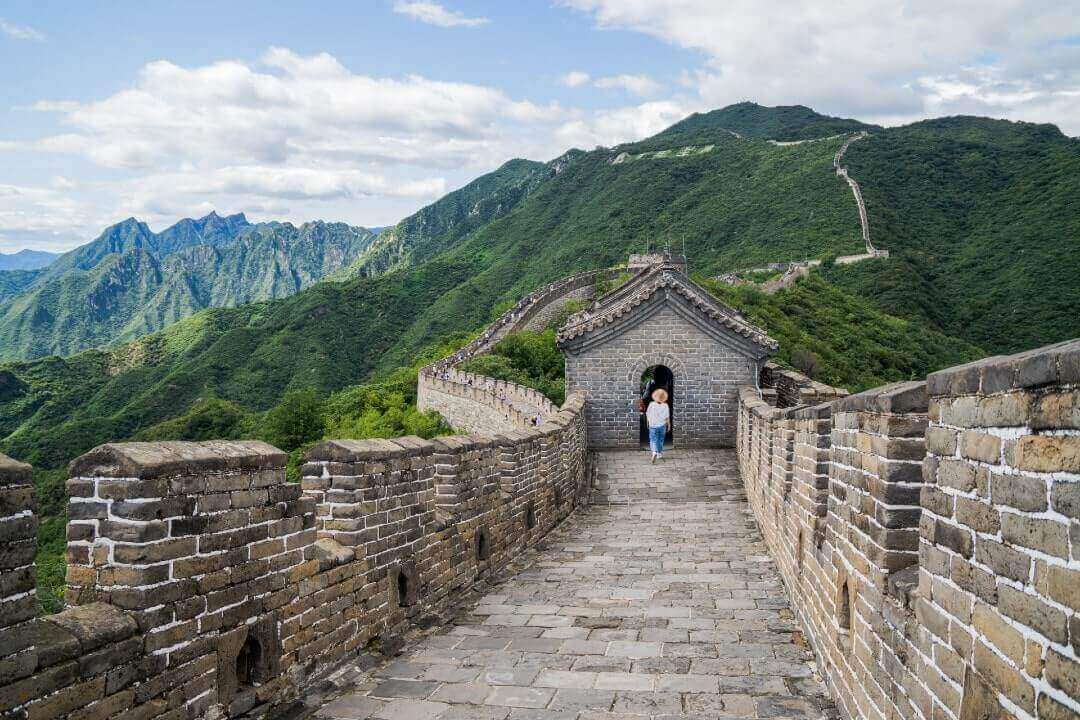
[
  {"x": 979, "y": 516},
  {"x": 1022, "y": 492},
  {"x": 1049, "y": 453},
  {"x": 1033, "y": 612},
  {"x": 1065, "y": 496},
  {"x": 1040, "y": 534},
  {"x": 941, "y": 440},
  {"x": 1058, "y": 583},
  {"x": 1063, "y": 673},
  {"x": 1003, "y": 559},
  {"x": 1056, "y": 410},
  {"x": 980, "y": 446},
  {"x": 956, "y": 474},
  {"x": 988, "y": 623}
]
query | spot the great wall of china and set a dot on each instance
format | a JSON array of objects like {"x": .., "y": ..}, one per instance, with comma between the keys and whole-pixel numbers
[{"x": 927, "y": 534}]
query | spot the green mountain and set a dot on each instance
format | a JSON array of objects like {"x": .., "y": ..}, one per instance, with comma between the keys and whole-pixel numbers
[
  {"x": 439, "y": 225},
  {"x": 131, "y": 281},
  {"x": 13, "y": 282},
  {"x": 740, "y": 204},
  {"x": 784, "y": 124},
  {"x": 26, "y": 260}
]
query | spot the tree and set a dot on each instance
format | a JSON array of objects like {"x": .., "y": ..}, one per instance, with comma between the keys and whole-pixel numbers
[{"x": 295, "y": 421}]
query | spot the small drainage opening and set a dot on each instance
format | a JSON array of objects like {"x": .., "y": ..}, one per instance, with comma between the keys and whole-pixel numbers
[
  {"x": 844, "y": 607},
  {"x": 482, "y": 549},
  {"x": 402, "y": 589},
  {"x": 248, "y": 663}
]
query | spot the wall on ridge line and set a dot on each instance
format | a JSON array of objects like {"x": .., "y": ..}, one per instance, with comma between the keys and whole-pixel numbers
[
  {"x": 478, "y": 404},
  {"x": 202, "y": 584},
  {"x": 928, "y": 535}
]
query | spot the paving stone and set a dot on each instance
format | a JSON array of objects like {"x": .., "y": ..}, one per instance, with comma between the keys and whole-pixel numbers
[
  {"x": 411, "y": 710},
  {"x": 624, "y": 681},
  {"x": 509, "y": 676},
  {"x": 564, "y": 679},
  {"x": 462, "y": 693},
  {"x": 577, "y": 700},
  {"x": 350, "y": 707},
  {"x": 520, "y": 697},
  {"x": 404, "y": 689}
]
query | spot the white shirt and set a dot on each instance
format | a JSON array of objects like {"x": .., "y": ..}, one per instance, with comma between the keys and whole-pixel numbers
[{"x": 657, "y": 414}]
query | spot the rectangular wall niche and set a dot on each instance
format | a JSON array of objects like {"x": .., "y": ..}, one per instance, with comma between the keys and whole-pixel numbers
[{"x": 248, "y": 656}]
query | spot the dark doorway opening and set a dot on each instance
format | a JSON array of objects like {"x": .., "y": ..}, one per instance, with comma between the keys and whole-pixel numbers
[{"x": 657, "y": 376}]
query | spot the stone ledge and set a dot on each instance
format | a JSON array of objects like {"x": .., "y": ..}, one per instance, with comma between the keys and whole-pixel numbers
[
  {"x": 92, "y": 626},
  {"x": 13, "y": 472},
  {"x": 143, "y": 460},
  {"x": 814, "y": 412},
  {"x": 331, "y": 554},
  {"x": 900, "y": 397},
  {"x": 1053, "y": 364},
  {"x": 354, "y": 450}
]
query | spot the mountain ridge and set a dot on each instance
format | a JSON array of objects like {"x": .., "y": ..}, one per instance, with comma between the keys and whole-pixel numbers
[
  {"x": 130, "y": 280},
  {"x": 26, "y": 259}
]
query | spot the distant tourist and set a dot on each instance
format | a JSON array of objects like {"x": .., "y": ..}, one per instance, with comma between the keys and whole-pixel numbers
[{"x": 658, "y": 416}]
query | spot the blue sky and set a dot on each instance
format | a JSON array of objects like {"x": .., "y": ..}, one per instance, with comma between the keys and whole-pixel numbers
[{"x": 365, "y": 111}]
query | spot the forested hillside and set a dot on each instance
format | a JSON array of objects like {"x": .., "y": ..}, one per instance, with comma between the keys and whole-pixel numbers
[{"x": 983, "y": 221}]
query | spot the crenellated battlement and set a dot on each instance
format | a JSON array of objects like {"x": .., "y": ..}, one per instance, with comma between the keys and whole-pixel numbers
[
  {"x": 927, "y": 533},
  {"x": 202, "y": 584}
]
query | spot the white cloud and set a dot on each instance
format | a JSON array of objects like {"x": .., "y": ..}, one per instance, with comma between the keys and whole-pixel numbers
[
  {"x": 292, "y": 136},
  {"x": 435, "y": 14},
  {"x": 641, "y": 85},
  {"x": 292, "y": 110},
  {"x": 20, "y": 32},
  {"x": 624, "y": 124},
  {"x": 575, "y": 78},
  {"x": 41, "y": 217},
  {"x": 873, "y": 59}
]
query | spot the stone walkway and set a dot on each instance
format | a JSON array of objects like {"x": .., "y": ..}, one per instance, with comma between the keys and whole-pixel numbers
[{"x": 658, "y": 601}]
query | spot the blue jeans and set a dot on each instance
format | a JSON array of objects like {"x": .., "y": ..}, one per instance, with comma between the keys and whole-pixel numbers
[{"x": 656, "y": 438}]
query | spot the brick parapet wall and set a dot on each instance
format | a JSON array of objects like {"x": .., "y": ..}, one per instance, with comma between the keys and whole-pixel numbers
[
  {"x": 1001, "y": 527},
  {"x": 938, "y": 577},
  {"x": 202, "y": 584},
  {"x": 18, "y": 543}
]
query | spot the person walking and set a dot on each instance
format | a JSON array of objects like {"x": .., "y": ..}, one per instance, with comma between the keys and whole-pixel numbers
[{"x": 658, "y": 416}]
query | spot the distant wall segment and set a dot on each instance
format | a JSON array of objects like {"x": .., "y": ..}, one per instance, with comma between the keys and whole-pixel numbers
[{"x": 474, "y": 403}]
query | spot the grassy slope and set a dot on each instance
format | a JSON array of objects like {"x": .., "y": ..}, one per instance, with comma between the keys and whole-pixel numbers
[
  {"x": 440, "y": 225},
  {"x": 745, "y": 203}
]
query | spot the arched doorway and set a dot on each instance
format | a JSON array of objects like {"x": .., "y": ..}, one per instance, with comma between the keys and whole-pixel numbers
[{"x": 656, "y": 376}]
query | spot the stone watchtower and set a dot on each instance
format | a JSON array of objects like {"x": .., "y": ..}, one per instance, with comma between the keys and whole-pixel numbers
[{"x": 661, "y": 325}]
